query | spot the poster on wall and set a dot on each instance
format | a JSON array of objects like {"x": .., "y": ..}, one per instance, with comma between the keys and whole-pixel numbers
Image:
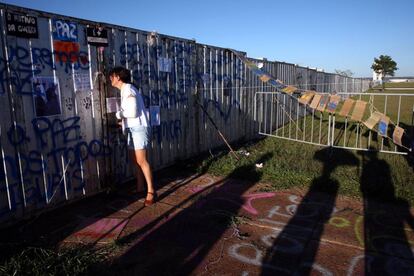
[
  {"x": 97, "y": 36},
  {"x": 82, "y": 81},
  {"x": 46, "y": 96},
  {"x": 164, "y": 64},
  {"x": 21, "y": 25},
  {"x": 113, "y": 104},
  {"x": 155, "y": 115}
]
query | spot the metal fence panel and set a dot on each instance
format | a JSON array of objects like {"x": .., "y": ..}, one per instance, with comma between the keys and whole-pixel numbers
[
  {"x": 53, "y": 159},
  {"x": 329, "y": 129}
]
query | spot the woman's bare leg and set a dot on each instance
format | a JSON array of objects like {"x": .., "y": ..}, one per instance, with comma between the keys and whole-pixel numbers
[
  {"x": 141, "y": 159},
  {"x": 138, "y": 172}
]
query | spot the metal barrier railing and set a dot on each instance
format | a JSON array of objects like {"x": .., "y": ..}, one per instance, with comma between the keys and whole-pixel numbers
[{"x": 389, "y": 130}]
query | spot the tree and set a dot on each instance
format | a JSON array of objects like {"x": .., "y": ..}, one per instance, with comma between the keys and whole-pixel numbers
[
  {"x": 384, "y": 66},
  {"x": 345, "y": 73}
]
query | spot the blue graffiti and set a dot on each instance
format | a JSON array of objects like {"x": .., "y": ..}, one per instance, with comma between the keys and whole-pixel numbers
[
  {"x": 67, "y": 130},
  {"x": 167, "y": 99},
  {"x": 221, "y": 108},
  {"x": 135, "y": 55},
  {"x": 17, "y": 135},
  {"x": 59, "y": 141},
  {"x": 168, "y": 130},
  {"x": 22, "y": 70},
  {"x": 34, "y": 190},
  {"x": 65, "y": 30}
]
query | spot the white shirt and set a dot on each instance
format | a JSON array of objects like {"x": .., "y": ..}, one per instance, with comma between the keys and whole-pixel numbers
[{"x": 132, "y": 110}]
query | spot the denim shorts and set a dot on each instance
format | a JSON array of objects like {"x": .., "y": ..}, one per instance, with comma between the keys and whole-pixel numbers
[{"x": 137, "y": 137}]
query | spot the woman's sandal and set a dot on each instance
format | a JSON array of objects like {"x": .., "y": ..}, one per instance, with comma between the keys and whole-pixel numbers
[{"x": 149, "y": 202}]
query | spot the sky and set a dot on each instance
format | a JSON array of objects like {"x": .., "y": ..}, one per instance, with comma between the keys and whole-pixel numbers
[{"x": 324, "y": 34}]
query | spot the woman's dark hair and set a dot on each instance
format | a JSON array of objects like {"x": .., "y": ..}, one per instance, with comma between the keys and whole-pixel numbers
[{"x": 123, "y": 73}]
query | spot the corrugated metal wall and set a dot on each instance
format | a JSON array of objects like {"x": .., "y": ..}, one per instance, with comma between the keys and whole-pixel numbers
[{"x": 48, "y": 161}]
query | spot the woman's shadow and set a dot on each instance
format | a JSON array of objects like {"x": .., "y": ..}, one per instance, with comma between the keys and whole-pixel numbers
[
  {"x": 387, "y": 246},
  {"x": 179, "y": 244},
  {"x": 306, "y": 226}
]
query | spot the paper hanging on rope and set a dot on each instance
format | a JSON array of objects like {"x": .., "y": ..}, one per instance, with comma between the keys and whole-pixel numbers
[
  {"x": 323, "y": 102},
  {"x": 258, "y": 71},
  {"x": 289, "y": 89},
  {"x": 359, "y": 110},
  {"x": 306, "y": 97},
  {"x": 265, "y": 78},
  {"x": 383, "y": 125},
  {"x": 333, "y": 103},
  {"x": 373, "y": 120},
  {"x": 82, "y": 81},
  {"x": 46, "y": 96},
  {"x": 397, "y": 135},
  {"x": 155, "y": 118},
  {"x": 315, "y": 101},
  {"x": 346, "y": 108},
  {"x": 113, "y": 104}
]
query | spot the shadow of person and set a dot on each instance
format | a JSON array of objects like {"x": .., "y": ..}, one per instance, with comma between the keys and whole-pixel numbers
[
  {"x": 387, "y": 248},
  {"x": 295, "y": 246},
  {"x": 408, "y": 141},
  {"x": 180, "y": 241}
]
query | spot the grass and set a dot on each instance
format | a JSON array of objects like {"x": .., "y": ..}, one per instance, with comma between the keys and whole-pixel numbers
[
  {"x": 397, "y": 85},
  {"x": 46, "y": 261},
  {"x": 291, "y": 164}
]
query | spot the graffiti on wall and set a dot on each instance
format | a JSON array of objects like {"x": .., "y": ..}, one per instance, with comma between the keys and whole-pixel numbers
[
  {"x": 57, "y": 164},
  {"x": 22, "y": 70}
]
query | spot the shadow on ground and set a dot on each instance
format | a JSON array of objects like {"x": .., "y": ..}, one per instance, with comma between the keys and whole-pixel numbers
[{"x": 180, "y": 244}]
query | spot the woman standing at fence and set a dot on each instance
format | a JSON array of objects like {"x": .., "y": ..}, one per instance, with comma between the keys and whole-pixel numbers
[{"x": 135, "y": 125}]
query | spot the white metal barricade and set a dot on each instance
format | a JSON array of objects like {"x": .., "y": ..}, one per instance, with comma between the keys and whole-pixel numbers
[{"x": 283, "y": 116}]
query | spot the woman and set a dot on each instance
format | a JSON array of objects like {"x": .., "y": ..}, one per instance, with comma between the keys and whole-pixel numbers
[{"x": 135, "y": 125}]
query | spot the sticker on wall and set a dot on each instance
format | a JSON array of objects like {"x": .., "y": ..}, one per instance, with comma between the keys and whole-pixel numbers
[
  {"x": 155, "y": 117},
  {"x": 82, "y": 81},
  {"x": 164, "y": 64},
  {"x": 46, "y": 96},
  {"x": 64, "y": 30},
  {"x": 97, "y": 36},
  {"x": 21, "y": 25}
]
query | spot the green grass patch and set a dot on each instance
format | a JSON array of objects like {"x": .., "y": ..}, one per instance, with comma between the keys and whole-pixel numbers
[
  {"x": 399, "y": 85},
  {"x": 44, "y": 261},
  {"x": 288, "y": 164}
]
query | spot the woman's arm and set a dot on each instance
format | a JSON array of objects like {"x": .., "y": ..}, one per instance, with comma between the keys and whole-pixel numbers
[{"x": 130, "y": 108}]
